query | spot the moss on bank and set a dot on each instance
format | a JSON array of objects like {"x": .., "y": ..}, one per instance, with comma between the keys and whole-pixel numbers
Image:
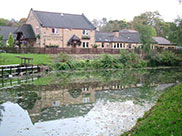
[{"x": 164, "y": 119}]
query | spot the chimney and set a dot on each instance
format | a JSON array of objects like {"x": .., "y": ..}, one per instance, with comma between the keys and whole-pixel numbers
[{"x": 116, "y": 33}]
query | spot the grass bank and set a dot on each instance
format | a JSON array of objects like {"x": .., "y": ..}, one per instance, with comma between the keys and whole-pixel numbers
[
  {"x": 38, "y": 59},
  {"x": 164, "y": 119}
]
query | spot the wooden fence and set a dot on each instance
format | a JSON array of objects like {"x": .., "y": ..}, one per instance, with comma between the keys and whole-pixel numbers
[
  {"x": 63, "y": 50},
  {"x": 73, "y": 50}
]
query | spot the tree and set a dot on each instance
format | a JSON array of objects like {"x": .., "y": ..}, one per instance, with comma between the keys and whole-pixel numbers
[
  {"x": 152, "y": 19},
  {"x": 175, "y": 34},
  {"x": 10, "y": 40},
  {"x": 115, "y": 25},
  {"x": 146, "y": 34},
  {"x": 22, "y": 21},
  {"x": 3, "y": 22},
  {"x": 1, "y": 40}
]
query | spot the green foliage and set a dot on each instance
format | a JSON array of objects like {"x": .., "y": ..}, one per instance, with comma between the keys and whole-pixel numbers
[
  {"x": 3, "y": 22},
  {"x": 175, "y": 34},
  {"x": 38, "y": 36},
  {"x": 95, "y": 46},
  {"x": 165, "y": 58},
  {"x": 1, "y": 41},
  {"x": 126, "y": 60},
  {"x": 115, "y": 25},
  {"x": 130, "y": 59},
  {"x": 10, "y": 40},
  {"x": 164, "y": 119},
  {"x": 63, "y": 57},
  {"x": 146, "y": 34}
]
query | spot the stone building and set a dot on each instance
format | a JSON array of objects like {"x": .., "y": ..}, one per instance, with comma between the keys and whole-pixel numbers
[
  {"x": 60, "y": 29},
  {"x": 51, "y": 29},
  {"x": 124, "y": 39}
]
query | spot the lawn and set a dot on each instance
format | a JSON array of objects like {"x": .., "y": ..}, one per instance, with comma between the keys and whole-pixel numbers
[
  {"x": 164, "y": 119},
  {"x": 38, "y": 59}
]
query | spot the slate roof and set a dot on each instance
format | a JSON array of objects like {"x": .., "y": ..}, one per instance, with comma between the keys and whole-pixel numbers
[
  {"x": 161, "y": 41},
  {"x": 130, "y": 35},
  {"x": 103, "y": 36},
  {"x": 6, "y": 30},
  {"x": 27, "y": 31},
  {"x": 124, "y": 36},
  {"x": 63, "y": 20}
]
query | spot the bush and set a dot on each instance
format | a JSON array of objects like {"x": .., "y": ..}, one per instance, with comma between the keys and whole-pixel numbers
[
  {"x": 129, "y": 59},
  {"x": 10, "y": 40},
  {"x": 165, "y": 58},
  {"x": 63, "y": 57}
]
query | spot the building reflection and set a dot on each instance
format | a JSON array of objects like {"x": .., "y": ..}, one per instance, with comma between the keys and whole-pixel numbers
[{"x": 78, "y": 94}]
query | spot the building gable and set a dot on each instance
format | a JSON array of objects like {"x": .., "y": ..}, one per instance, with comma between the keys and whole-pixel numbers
[{"x": 62, "y": 20}]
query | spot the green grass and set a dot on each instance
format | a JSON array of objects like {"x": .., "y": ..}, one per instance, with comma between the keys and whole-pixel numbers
[
  {"x": 38, "y": 59},
  {"x": 164, "y": 119}
]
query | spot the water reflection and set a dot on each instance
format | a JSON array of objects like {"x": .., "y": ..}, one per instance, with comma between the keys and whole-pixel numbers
[
  {"x": 1, "y": 109},
  {"x": 90, "y": 103}
]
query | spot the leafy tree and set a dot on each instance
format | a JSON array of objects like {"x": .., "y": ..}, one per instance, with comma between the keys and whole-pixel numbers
[
  {"x": 1, "y": 40},
  {"x": 115, "y": 25},
  {"x": 3, "y": 22},
  {"x": 22, "y": 21},
  {"x": 99, "y": 23},
  {"x": 175, "y": 33},
  {"x": 152, "y": 19},
  {"x": 146, "y": 34},
  {"x": 10, "y": 40}
]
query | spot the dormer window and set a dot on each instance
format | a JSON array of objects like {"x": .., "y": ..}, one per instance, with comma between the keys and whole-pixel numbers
[
  {"x": 85, "y": 32},
  {"x": 55, "y": 31}
]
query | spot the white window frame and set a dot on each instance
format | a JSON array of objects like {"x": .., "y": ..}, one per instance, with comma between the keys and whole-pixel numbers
[
  {"x": 56, "y": 30},
  {"x": 37, "y": 30},
  {"x": 86, "y": 100},
  {"x": 85, "y": 32},
  {"x": 85, "y": 44}
]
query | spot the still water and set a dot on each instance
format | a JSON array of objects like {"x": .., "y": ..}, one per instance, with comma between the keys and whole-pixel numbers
[{"x": 103, "y": 103}]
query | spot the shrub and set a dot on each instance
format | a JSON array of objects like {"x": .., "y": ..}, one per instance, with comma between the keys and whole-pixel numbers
[
  {"x": 63, "y": 57},
  {"x": 10, "y": 40},
  {"x": 129, "y": 59}
]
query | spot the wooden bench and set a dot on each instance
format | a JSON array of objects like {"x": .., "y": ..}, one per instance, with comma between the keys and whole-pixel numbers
[{"x": 25, "y": 61}]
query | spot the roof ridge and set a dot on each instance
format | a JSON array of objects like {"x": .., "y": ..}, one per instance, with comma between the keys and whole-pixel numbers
[
  {"x": 58, "y": 13},
  {"x": 104, "y": 32}
]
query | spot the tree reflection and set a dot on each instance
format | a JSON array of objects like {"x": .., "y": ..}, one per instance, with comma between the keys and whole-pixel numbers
[
  {"x": 1, "y": 109},
  {"x": 75, "y": 92}
]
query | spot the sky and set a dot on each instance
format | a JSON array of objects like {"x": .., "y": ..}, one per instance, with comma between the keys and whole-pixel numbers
[{"x": 93, "y": 9}]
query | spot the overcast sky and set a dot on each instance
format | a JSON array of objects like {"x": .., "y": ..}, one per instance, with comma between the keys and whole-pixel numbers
[{"x": 111, "y": 9}]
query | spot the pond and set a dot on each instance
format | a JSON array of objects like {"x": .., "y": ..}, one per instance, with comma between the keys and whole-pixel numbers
[{"x": 99, "y": 103}]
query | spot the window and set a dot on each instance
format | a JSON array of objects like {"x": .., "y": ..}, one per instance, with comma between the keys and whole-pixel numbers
[
  {"x": 85, "y": 89},
  {"x": 117, "y": 45},
  {"x": 55, "y": 103},
  {"x": 85, "y": 32},
  {"x": 86, "y": 100},
  {"x": 121, "y": 46},
  {"x": 102, "y": 45},
  {"x": 85, "y": 44},
  {"x": 37, "y": 30},
  {"x": 129, "y": 45},
  {"x": 55, "y": 31}
]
